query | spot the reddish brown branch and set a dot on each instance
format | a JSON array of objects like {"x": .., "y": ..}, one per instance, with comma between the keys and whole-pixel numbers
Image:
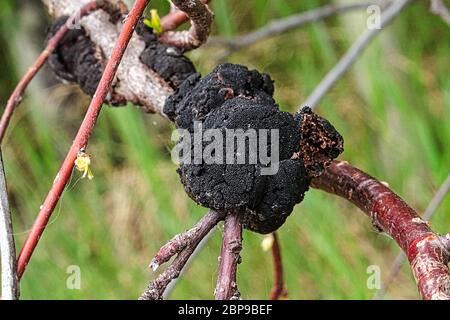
[
  {"x": 82, "y": 137},
  {"x": 427, "y": 252},
  {"x": 201, "y": 19},
  {"x": 17, "y": 95},
  {"x": 226, "y": 287},
  {"x": 175, "y": 18},
  {"x": 184, "y": 246},
  {"x": 278, "y": 289}
]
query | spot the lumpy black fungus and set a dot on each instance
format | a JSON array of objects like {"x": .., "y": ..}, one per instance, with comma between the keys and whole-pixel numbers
[
  {"x": 197, "y": 97},
  {"x": 168, "y": 61},
  {"x": 233, "y": 98},
  {"x": 76, "y": 59}
]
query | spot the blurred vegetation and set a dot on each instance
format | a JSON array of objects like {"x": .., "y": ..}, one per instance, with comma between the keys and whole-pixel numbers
[{"x": 392, "y": 108}]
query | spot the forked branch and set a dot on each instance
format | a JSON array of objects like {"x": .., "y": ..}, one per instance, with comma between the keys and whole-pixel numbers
[{"x": 182, "y": 245}]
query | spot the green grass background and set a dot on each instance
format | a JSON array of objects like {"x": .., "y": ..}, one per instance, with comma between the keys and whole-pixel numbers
[{"x": 392, "y": 109}]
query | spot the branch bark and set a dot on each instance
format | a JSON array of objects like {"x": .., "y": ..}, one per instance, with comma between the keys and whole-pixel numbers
[
  {"x": 134, "y": 81},
  {"x": 278, "y": 289},
  {"x": 428, "y": 253},
  {"x": 201, "y": 19},
  {"x": 226, "y": 288},
  {"x": 10, "y": 283},
  {"x": 401, "y": 258},
  {"x": 175, "y": 18},
  {"x": 182, "y": 245},
  {"x": 82, "y": 137}
]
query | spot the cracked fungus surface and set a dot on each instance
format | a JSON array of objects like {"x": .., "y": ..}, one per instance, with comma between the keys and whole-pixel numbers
[{"x": 233, "y": 97}]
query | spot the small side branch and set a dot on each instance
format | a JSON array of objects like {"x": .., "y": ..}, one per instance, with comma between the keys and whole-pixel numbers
[
  {"x": 281, "y": 26},
  {"x": 17, "y": 95},
  {"x": 182, "y": 245},
  {"x": 175, "y": 18},
  {"x": 278, "y": 289},
  {"x": 353, "y": 53},
  {"x": 201, "y": 19},
  {"x": 226, "y": 287},
  {"x": 10, "y": 283},
  {"x": 428, "y": 253}
]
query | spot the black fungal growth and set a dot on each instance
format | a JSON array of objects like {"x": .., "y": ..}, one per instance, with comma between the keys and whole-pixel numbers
[
  {"x": 233, "y": 97},
  {"x": 169, "y": 62},
  {"x": 78, "y": 60}
]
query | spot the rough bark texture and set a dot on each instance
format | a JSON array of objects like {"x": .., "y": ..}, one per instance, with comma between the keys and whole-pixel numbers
[
  {"x": 226, "y": 288},
  {"x": 427, "y": 252},
  {"x": 182, "y": 245},
  {"x": 201, "y": 19},
  {"x": 134, "y": 82}
]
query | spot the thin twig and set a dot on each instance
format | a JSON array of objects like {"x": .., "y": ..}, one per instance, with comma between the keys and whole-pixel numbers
[
  {"x": 201, "y": 19},
  {"x": 438, "y": 7},
  {"x": 182, "y": 245},
  {"x": 427, "y": 252},
  {"x": 82, "y": 137},
  {"x": 353, "y": 53},
  {"x": 401, "y": 258},
  {"x": 10, "y": 283},
  {"x": 171, "y": 286},
  {"x": 175, "y": 18},
  {"x": 277, "y": 27},
  {"x": 278, "y": 289},
  {"x": 226, "y": 287},
  {"x": 17, "y": 95}
]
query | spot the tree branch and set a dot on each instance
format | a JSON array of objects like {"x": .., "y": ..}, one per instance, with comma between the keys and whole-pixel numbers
[
  {"x": 278, "y": 289},
  {"x": 353, "y": 53},
  {"x": 182, "y": 245},
  {"x": 10, "y": 284},
  {"x": 17, "y": 95},
  {"x": 175, "y": 18},
  {"x": 401, "y": 258},
  {"x": 82, "y": 137},
  {"x": 201, "y": 19},
  {"x": 226, "y": 288},
  {"x": 438, "y": 7},
  {"x": 277, "y": 27},
  {"x": 427, "y": 252}
]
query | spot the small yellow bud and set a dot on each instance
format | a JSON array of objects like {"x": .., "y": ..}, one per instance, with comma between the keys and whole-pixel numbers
[
  {"x": 83, "y": 164},
  {"x": 154, "y": 22}
]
